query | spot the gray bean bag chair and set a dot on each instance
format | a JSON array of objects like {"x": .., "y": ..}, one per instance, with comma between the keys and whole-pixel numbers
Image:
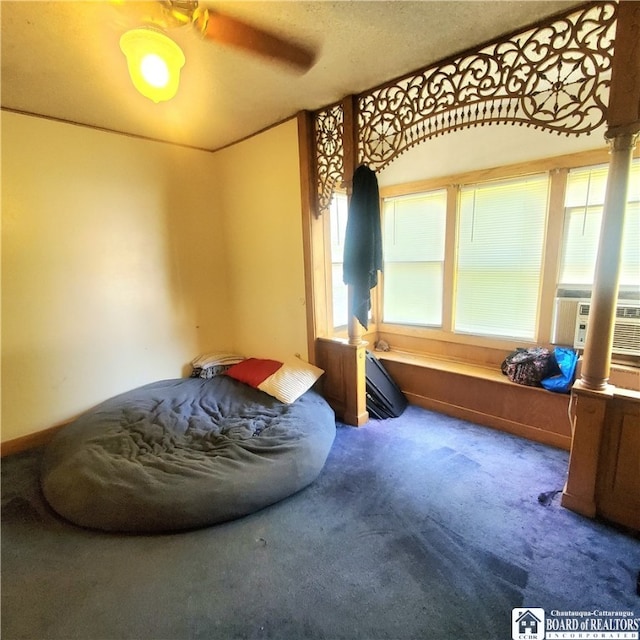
[{"x": 187, "y": 453}]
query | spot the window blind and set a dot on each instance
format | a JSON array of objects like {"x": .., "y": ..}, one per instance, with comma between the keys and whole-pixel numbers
[
  {"x": 499, "y": 257},
  {"x": 584, "y": 205},
  {"x": 413, "y": 245},
  {"x": 338, "y": 212}
]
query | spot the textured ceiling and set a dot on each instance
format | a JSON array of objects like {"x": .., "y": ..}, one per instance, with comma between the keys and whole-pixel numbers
[{"x": 62, "y": 59}]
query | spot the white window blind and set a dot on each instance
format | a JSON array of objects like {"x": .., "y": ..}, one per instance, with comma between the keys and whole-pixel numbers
[
  {"x": 413, "y": 244},
  {"x": 584, "y": 204},
  {"x": 499, "y": 257},
  {"x": 338, "y": 212}
]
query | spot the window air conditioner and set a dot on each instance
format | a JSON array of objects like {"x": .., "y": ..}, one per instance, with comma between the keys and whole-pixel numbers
[
  {"x": 626, "y": 333},
  {"x": 564, "y": 321}
]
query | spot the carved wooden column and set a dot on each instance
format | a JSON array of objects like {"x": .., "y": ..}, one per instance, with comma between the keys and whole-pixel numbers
[
  {"x": 623, "y": 118},
  {"x": 350, "y": 150},
  {"x": 356, "y": 413},
  {"x": 592, "y": 394},
  {"x": 344, "y": 360},
  {"x": 602, "y": 314}
]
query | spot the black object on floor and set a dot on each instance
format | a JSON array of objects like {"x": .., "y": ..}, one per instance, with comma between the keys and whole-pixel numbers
[
  {"x": 547, "y": 497},
  {"x": 384, "y": 397}
]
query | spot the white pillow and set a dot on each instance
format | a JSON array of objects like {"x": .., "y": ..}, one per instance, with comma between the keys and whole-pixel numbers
[{"x": 285, "y": 381}]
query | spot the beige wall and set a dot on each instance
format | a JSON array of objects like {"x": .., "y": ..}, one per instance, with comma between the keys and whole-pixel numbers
[
  {"x": 260, "y": 180},
  {"x": 441, "y": 157},
  {"x": 114, "y": 270}
]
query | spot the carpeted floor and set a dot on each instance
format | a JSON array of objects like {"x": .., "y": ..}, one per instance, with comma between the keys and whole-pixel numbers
[{"x": 422, "y": 527}]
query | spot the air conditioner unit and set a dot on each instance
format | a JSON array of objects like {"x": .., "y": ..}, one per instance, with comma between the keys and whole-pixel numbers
[
  {"x": 564, "y": 321},
  {"x": 626, "y": 333}
]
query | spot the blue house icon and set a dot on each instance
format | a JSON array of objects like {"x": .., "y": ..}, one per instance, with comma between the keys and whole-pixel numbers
[{"x": 528, "y": 623}]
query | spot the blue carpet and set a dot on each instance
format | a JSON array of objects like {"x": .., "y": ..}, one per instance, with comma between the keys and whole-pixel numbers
[{"x": 422, "y": 527}]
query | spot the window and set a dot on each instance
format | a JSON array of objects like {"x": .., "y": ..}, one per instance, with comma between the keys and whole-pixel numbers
[
  {"x": 582, "y": 220},
  {"x": 413, "y": 237},
  {"x": 500, "y": 242},
  {"x": 338, "y": 212},
  {"x": 478, "y": 259}
]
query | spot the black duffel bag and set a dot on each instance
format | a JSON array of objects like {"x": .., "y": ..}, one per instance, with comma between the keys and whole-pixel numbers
[{"x": 530, "y": 366}]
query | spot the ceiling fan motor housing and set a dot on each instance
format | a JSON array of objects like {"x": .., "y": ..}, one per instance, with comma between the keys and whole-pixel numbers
[{"x": 181, "y": 12}]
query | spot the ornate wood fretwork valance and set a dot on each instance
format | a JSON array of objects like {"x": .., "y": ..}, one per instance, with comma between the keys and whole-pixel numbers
[
  {"x": 554, "y": 77},
  {"x": 329, "y": 132}
]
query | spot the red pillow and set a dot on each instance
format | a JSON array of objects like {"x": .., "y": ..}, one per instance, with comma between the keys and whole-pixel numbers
[{"x": 253, "y": 371}]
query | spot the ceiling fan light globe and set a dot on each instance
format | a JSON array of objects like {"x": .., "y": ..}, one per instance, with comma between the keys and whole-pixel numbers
[
  {"x": 154, "y": 62},
  {"x": 154, "y": 70}
]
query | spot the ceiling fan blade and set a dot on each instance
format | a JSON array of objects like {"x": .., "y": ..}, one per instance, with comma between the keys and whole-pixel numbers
[{"x": 228, "y": 30}]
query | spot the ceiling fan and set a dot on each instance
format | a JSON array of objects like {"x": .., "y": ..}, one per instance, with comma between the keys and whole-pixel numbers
[
  {"x": 213, "y": 25},
  {"x": 155, "y": 60}
]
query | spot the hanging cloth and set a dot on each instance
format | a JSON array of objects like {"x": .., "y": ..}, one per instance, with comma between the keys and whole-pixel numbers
[{"x": 363, "y": 242}]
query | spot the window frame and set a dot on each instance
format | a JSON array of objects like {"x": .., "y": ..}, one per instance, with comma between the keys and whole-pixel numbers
[
  {"x": 542, "y": 185},
  {"x": 423, "y": 338},
  {"x": 336, "y": 329},
  {"x": 342, "y": 331},
  {"x": 630, "y": 287},
  {"x": 443, "y": 341},
  {"x": 383, "y": 209}
]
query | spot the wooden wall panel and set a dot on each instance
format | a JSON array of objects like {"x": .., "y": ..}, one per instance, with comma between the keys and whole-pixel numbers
[
  {"x": 485, "y": 397},
  {"x": 618, "y": 492},
  {"x": 344, "y": 379}
]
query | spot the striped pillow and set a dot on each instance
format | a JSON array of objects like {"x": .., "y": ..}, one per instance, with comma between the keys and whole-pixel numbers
[
  {"x": 214, "y": 359},
  {"x": 286, "y": 381}
]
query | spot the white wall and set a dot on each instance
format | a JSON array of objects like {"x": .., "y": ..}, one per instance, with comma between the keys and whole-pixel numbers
[
  {"x": 482, "y": 148},
  {"x": 122, "y": 259},
  {"x": 263, "y": 229},
  {"x": 113, "y": 267}
]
